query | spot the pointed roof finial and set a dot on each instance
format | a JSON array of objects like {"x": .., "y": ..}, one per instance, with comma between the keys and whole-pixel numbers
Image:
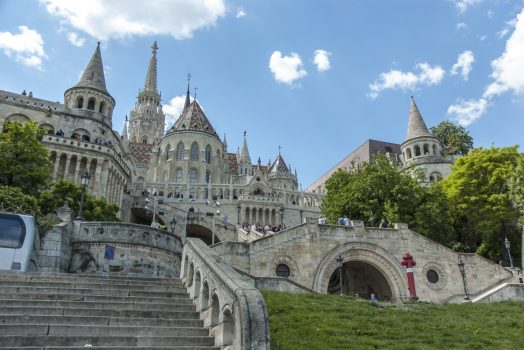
[
  {"x": 195, "y": 89},
  {"x": 188, "y": 98},
  {"x": 279, "y": 148},
  {"x": 150, "y": 83},
  {"x": 416, "y": 125},
  {"x": 244, "y": 155},
  {"x": 93, "y": 76}
]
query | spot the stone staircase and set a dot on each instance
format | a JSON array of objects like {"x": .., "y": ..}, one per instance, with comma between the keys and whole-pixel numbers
[{"x": 66, "y": 311}]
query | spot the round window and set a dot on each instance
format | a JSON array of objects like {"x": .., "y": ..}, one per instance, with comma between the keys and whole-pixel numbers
[
  {"x": 432, "y": 276},
  {"x": 282, "y": 270}
]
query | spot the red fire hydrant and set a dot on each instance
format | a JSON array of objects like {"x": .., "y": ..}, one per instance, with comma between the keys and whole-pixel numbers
[{"x": 409, "y": 263}]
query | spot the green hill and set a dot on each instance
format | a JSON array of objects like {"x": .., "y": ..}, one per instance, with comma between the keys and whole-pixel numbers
[{"x": 305, "y": 321}]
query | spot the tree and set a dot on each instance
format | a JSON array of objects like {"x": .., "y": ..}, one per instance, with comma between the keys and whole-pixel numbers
[
  {"x": 24, "y": 161},
  {"x": 95, "y": 209},
  {"x": 453, "y": 136},
  {"x": 516, "y": 186},
  {"x": 377, "y": 190},
  {"x": 481, "y": 206},
  {"x": 12, "y": 199}
]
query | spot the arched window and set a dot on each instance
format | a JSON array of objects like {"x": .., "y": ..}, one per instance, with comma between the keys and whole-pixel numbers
[
  {"x": 178, "y": 176},
  {"x": 102, "y": 108},
  {"x": 194, "y": 176},
  {"x": 80, "y": 102},
  {"x": 426, "y": 149},
  {"x": 180, "y": 151},
  {"x": 91, "y": 104},
  {"x": 144, "y": 140},
  {"x": 194, "y": 151},
  {"x": 192, "y": 193},
  {"x": 417, "y": 150},
  {"x": 435, "y": 150},
  {"x": 208, "y": 154},
  {"x": 177, "y": 192},
  {"x": 408, "y": 153},
  {"x": 168, "y": 152}
]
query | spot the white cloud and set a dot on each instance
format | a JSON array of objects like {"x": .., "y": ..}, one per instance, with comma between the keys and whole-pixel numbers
[
  {"x": 27, "y": 47},
  {"x": 464, "y": 62},
  {"x": 398, "y": 80},
  {"x": 490, "y": 14},
  {"x": 321, "y": 60},
  {"x": 508, "y": 69},
  {"x": 240, "y": 12},
  {"x": 509, "y": 25},
  {"x": 286, "y": 69},
  {"x": 118, "y": 19},
  {"x": 462, "y": 5},
  {"x": 483, "y": 37},
  {"x": 466, "y": 112},
  {"x": 75, "y": 39},
  {"x": 461, "y": 25},
  {"x": 174, "y": 108},
  {"x": 508, "y": 75}
]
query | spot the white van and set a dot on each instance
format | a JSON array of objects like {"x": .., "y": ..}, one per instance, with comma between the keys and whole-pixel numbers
[{"x": 18, "y": 242}]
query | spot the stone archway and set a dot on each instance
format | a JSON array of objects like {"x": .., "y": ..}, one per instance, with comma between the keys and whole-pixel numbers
[
  {"x": 366, "y": 268},
  {"x": 202, "y": 232}
]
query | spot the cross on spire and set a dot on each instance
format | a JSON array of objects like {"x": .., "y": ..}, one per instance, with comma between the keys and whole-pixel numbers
[
  {"x": 279, "y": 148},
  {"x": 195, "y": 94}
]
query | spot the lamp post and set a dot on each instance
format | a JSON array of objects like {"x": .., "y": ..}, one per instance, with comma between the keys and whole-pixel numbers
[
  {"x": 340, "y": 262},
  {"x": 84, "y": 181},
  {"x": 238, "y": 214},
  {"x": 463, "y": 273},
  {"x": 507, "y": 244},
  {"x": 154, "y": 210}
]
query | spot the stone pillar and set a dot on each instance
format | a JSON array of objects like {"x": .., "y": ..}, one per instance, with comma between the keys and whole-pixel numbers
[
  {"x": 66, "y": 170},
  {"x": 55, "y": 167}
]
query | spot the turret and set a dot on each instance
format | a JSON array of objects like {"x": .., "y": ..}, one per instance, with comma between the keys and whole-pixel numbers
[
  {"x": 245, "y": 160},
  {"x": 90, "y": 93}
]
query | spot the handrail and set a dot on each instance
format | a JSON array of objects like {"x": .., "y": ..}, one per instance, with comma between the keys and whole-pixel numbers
[{"x": 225, "y": 298}]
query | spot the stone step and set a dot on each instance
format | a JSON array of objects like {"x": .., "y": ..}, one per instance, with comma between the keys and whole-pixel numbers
[
  {"x": 108, "y": 306},
  {"x": 94, "y": 330},
  {"x": 183, "y": 347},
  {"x": 98, "y": 320},
  {"x": 85, "y": 291},
  {"x": 18, "y": 341},
  {"x": 56, "y": 311},
  {"x": 94, "y": 297},
  {"x": 93, "y": 285},
  {"x": 84, "y": 277}
]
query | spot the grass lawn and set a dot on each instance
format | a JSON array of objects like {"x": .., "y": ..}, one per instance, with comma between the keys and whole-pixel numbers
[{"x": 305, "y": 321}]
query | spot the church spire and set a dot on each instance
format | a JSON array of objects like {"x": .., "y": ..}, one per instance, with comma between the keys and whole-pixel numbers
[
  {"x": 244, "y": 155},
  {"x": 150, "y": 83},
  {"x": 93, "y": 76},
  {"x": 224, "y": 142},
  {"x": 416, "y": 125},
  {"x": 188, "y": 97}
]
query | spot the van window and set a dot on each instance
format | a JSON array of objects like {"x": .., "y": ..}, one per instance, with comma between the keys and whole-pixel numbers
[{"x": 12, "y": 232}]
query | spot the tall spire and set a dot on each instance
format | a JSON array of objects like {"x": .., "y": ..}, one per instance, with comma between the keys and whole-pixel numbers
[
  {"x": 224, "y": 142},
  {"x": 416, "y": 125},
  {"x": 188, "y": 97},
  {"x": 244, "y": 155},
  {"x": 93, "y": 76},
  {"x": 150, "y": 83}
]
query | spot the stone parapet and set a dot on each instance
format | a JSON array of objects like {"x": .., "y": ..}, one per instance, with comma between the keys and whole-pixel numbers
[{"x": 229, "y": 302}]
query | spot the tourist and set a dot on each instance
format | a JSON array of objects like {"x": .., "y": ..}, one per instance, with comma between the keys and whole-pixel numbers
[
  {"x": 373, "y": 297},
  {"x": 383, "y": 224},
  {"x": 341, "y": 221},
  {"x": 347, "y": 222}
]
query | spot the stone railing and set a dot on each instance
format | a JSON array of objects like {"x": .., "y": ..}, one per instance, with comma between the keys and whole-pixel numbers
[
  {"x": 228, "y": 302},
  {"x": 262, "y": 199}
]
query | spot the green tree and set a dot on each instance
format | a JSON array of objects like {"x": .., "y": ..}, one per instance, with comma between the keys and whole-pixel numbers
[
  {"x": 516, "y": 186},
  {"x": 24, "y": 161},
  {"x": 12, "y": 199},
  {"x": 453, "y": 136},
  {"x": 482, "y": 208},
  {"x": 95, "y": 209},
  {"x": 377, "y": 190}
]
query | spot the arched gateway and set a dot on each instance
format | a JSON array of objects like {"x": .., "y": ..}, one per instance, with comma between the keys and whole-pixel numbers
[{"x": 366, "y": 268}]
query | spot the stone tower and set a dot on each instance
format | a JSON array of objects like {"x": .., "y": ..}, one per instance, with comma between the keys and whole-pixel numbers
[
  {"x": 422, "y": 149},
  {"x": 245, "y": 167},
  {"x": 90, "y": 93},
  {"x": 146, "y": 123}
]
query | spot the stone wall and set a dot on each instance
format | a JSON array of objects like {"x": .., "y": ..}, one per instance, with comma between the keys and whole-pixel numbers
[
  {"x": 139, "y": 250},
  {"x": 310, "y": 250}
]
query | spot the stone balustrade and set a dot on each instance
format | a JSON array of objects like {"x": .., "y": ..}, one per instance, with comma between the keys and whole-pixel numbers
[{"x": 229, "y": 303}]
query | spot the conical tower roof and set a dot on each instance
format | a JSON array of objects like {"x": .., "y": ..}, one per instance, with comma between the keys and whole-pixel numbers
[
  {"x": 416, "y": 125},
  {"x": 279, "y": 166},
  {"x": 150, "y": 83},
  {"x": 193, "y": 118},
  {"x": 93, "y": 76}
]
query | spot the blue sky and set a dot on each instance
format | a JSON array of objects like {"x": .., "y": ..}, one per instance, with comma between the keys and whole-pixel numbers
[{"x": 317, "y": 78}]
